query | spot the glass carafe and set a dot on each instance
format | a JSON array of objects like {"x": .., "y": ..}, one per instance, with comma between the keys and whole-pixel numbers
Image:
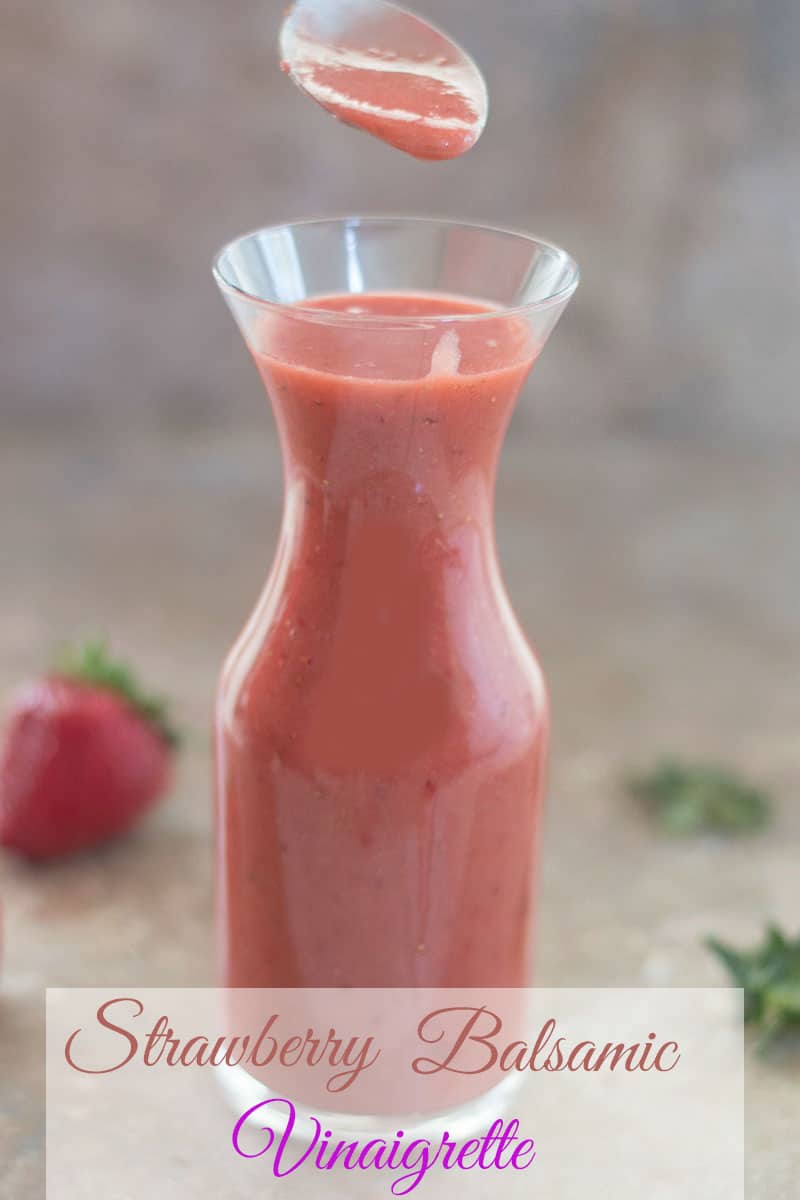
[{"x": 382, "y": 723}]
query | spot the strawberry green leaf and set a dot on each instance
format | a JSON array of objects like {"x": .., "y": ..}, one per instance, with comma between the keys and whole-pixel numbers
[
  {"x": 92, "y": 664},
  {"x": 770, "y": 977},
  {"x": 688, "y": 799}
]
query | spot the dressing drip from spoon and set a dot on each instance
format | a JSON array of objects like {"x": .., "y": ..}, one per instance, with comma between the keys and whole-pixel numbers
[{"x": 385, "y": 71}]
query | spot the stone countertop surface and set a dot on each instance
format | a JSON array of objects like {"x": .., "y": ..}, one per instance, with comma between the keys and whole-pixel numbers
[{"x": 654, "y": 577}]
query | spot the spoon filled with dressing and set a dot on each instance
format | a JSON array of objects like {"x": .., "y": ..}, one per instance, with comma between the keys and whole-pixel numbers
[{"x": 384, "y": 70}]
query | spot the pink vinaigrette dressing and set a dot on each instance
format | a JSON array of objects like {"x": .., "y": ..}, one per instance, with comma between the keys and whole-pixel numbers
[{"x": 382, "y": 723}]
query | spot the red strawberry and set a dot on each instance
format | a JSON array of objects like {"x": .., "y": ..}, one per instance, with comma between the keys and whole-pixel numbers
[{"x": 85, "y": 755}]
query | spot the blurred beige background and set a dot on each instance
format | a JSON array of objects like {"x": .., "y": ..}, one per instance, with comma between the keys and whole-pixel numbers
[
  {"x": 649, "y": 497},
  {"x": 657, "y": 140}
]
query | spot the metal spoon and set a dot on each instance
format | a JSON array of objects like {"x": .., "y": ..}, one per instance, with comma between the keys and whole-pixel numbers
[{"x": 383, "y": 69}]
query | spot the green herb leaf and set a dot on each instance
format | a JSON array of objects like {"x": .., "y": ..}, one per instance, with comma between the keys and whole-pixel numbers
[
  {"x": 770, "y": 977},
  {"x": 92, "y": 664},
  {"x": 689, "y": 799}
]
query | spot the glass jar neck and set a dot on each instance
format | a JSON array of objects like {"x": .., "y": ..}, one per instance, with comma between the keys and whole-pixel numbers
[
  {"x": 392, "y": 507},
  {"x": 381, "y": 459}
]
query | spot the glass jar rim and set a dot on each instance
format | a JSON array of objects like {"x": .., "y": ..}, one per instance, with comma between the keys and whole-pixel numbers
[{"x": 344, "y": 318}]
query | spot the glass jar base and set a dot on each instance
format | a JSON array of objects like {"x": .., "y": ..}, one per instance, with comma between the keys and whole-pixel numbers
[{"x": 242, "y": 1093}]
